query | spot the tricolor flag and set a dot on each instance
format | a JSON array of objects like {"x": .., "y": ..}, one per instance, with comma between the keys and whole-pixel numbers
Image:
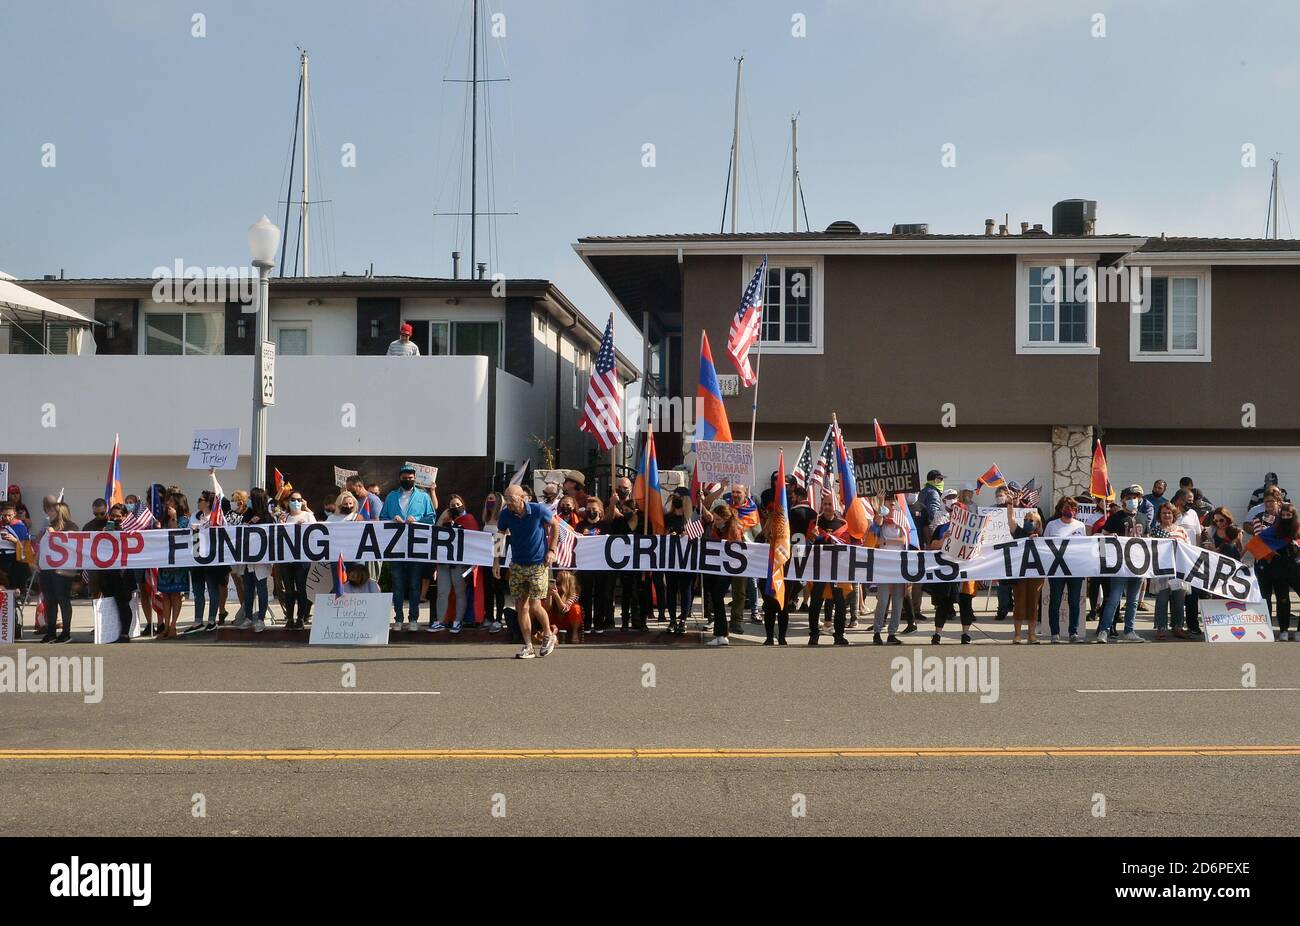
[
  {"x": 280, "y": 484},
  {"x": 113, "y": 485},
  {"x": 713, "y": 424},
  {"x": 646, "y": 490},
  {"x": 746, "y": 325},
  {"x": 340, "y": 577},
  {"x": 778, "y": 537},
  {"x": 1100, "y": 486},
  {"x": 1266, "y": 544},
  {"x": 992, "y": 478},
  {"x": 803, "y": 465},
  {"x": 856, "y": 515},
  {"x": 602, "y": 415}
]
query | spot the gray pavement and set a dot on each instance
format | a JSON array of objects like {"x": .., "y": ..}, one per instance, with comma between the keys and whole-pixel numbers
[{"x": 1014, "y": 771}]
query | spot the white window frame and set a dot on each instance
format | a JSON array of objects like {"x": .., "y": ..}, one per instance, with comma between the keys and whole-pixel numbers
[
  {"x": 816, "y": 304},
  {"x": 1203, "y": 306},
  {"x": 1026, "y": 346},
  {"x": 279, "y": 324},
  {"x": 576, "y": 375},
  {"x": 182, "y": 309}
]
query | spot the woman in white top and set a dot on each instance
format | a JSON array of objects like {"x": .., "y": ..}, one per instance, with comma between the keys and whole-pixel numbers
[
  {"x": 1064, "y": 525},
  {"x": 297, "y": 606},
  {"x": 889, "y": 595},
  {"x": 1190, "y": 522},
  {"x": 494, "y": 590},
  {"x": 1170, "y": 593}
]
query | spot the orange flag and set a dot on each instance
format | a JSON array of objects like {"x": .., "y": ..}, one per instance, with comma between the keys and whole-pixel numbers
[{"x": 1101, "y": 487}]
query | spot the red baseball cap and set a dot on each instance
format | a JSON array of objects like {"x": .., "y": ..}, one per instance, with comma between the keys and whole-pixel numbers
[{"x": 406, "y": 329}]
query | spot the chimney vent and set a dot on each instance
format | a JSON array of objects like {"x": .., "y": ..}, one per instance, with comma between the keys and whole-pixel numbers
[
  {"x": 1002, "y": 230},
  {"x": 988, "y": 226},
  {"x": 455, "y": 265},
  {"x": 1024, "y": 227},
  {"x": 482, "y": 270}
]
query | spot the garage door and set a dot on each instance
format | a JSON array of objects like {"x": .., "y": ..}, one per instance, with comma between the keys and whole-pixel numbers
[
  {"x": 1227, "y": 475},
  {"x": 960, "y": 463}
]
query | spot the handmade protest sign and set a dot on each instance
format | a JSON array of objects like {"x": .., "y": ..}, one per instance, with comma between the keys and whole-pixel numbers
[
  {"x": 6, "y": 616},
  {"x": 1235, "y": 621},
  {"x": 996, "y": 529},
  {"x": 965, "y": 537},
  {"x": 350, "y": 620},
  {"x": 886, "y": 470},
  {"x": 214, "y": 448},
  {"x": 4, "y": 475},
  {"x": 426, "y": 477},
  {"x": 724, "y": 461},
  {"x": 342, "y": 475}
]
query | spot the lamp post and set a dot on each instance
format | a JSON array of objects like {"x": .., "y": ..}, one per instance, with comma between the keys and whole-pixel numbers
[{"x": 263, "y": 239}]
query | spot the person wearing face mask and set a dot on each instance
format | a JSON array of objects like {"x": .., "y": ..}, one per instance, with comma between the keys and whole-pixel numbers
[
  {"x": 623, "y": 517},
  {"x": 597, "y": 586},
  {"x": 253, "y": 512},
  {"x": 13, "y": 535},
  {"x": 828, "y": 528},
  {"x": 1127, "y": 522},
  {"x": 408, "y": 505},
  {"x": 451, "y": 576},
  {"x": 1006, "y": 587},
  {"x": 680, "y": 586},
  {"x": 172, "y": 583},
  {"x": 297, "y": 606},
  {"x": 1064, "y": 525},
  {"x": 1281, "y": 570},
  {"x": 946, "y": 595},
  {"x": 930, "y": 501},
  {"x": 889, "y": 595},
  {"x": 966, "y": 590},
  {"x": 1189, "y": 519},
  {"x": 1028, "y": 591}
]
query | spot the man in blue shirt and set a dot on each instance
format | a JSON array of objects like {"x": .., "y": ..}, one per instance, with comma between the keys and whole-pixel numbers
[
  {"x": 532, "y": 533},
  {"x": 409, "y": 505}
]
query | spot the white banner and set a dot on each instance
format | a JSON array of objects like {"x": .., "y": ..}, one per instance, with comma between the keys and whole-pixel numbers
[
  {"x": 350, "y": 620},
  {"x": 262, "y": 545},
  {"x": 1103, "y": 556}
]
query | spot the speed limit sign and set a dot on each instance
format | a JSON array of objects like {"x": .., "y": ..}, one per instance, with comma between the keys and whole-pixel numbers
[{"x": 268, "y": 372}]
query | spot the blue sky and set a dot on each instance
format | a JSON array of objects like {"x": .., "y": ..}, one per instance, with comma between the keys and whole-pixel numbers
[{"x": 169, "y": 146}]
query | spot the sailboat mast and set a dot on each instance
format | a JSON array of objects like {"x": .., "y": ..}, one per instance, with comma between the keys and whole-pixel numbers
[
  {"x": 306, "y": 179},
  {"x": 735, "y": 146},
  {"x": 794, "y": 172},
  {"x": 473, "y": 146},
  {"x": 1275, "y": 191}
]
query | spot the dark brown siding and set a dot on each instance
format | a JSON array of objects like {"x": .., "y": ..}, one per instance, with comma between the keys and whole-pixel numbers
[
  {"x": 1255, "y": 336},
  {"x": 894, "y": 325}
]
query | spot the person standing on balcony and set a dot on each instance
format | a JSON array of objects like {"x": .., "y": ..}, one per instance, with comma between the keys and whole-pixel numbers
[
  {"x": 404, "y": 346},
  {"x": 408, "y": 505}
]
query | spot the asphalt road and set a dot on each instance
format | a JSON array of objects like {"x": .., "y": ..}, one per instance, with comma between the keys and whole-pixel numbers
[{"x": 724, "y": 741}]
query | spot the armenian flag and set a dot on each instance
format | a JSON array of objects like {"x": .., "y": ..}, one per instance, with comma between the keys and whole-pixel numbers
[
  {"x": 992, "y": 478},
  {"x": 646, "y": 490},
  {"x": 778, "y": 537},
  {"x": 340, "y": 577},
  {"x": 713, "y": 423},
  {"x": 856, "y": 515},
  {"x": 113, "y": 484}
]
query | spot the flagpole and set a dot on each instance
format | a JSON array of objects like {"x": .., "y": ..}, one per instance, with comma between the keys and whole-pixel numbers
[{"x": 753, "y": 419}]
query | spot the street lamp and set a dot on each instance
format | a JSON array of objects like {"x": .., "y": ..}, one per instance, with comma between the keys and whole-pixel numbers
[{"x": 263, "y": 239}]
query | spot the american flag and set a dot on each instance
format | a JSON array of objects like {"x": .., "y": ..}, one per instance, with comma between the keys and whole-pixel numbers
[
  {"x": 564, "y": 549},
  {"x": 1030, "y": 494},
  {"x": 601, "y": 417},
  {"x": 803, "y": 465},
  {"x": 694, "y": 529},
  {"x": 746, "y": 325},
  {"x": 823, "y": 474},
  {"x": 139, "y": 520}
]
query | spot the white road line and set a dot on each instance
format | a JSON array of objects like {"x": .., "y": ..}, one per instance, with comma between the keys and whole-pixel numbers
[
  {"x": 1168, "y": 690},
  {"x": 331, "y": 692}
]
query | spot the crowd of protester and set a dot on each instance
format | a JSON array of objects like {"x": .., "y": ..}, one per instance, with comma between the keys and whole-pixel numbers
[{"x": 535, "y": 601}]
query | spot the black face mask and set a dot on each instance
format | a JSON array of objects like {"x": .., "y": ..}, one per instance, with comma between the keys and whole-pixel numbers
[
  {"x": 408, "y": 484},
  {"x": 592, "y": 514},
  {"x": 457, "y": 511},
  {"x": 624, "y": 494}
]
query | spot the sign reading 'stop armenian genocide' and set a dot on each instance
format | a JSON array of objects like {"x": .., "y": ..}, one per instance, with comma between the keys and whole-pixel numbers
[{"x": 886, "y": 470}]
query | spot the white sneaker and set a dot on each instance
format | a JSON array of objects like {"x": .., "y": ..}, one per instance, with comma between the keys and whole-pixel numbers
[
  {"x": 548, "y": 645},
  {"x": 436, "y": 626},
  {"x": 243, "y": 623},
  {"x": 1056, "y": 638},
  {"x": 1101, "y": 637},
  {"x": 1132, "y": 637},
  {"x": 526, "y": 653},
  {"x": 258, "y": 626},
  {"x": 455, "y": 627},
  {"x": 494, "y": 627},
  {"x": 718, "y": 641},
  {"x": 1074, "y": 638},
  {"x": 409, "y": 626}
]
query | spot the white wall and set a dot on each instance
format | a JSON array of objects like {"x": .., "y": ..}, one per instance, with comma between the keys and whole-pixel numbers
[
  {"x": 436, "y": 406},
  {"x": 332, "y": 323},
  {"x": 517, "y": 418}
]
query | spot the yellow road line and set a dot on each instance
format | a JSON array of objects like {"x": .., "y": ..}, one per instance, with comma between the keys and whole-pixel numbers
[{"x": 578, "y": 754}]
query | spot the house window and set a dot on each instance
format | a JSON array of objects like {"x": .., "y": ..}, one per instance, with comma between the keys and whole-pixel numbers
[
  {"x": 39, "y": 338},
  {"x": 787, "y": 306},
  {"x": 1056, "y": 307},
  {"x": 1172, "y": 321},
  {"x": 293, "y": 341},
  {"x": 792, "y": 303},
  {"x": 474, "y": 338},
  {"x": 439, "y": 344},
  {"x": 173, "y": 334}
]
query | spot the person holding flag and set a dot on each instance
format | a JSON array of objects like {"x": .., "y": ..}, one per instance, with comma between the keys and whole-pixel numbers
[
  {"x": 776, "y": 611},
  {"x": 651, "y": 588},
  {"x": 828, "y": 528},
  {"x": 992, "y": 478},
  {"x": 744, "y": 513}
]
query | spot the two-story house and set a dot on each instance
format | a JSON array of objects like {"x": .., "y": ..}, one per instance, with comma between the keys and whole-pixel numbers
[
  {"x": 503, "y": 370},
  {"x": 956, "y": 342}
]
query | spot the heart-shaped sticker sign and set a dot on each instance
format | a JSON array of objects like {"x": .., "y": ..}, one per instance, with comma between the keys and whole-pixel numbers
[{"x": 1238, "y": 632}]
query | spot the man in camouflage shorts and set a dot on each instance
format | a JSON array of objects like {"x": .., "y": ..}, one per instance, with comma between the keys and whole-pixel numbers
[{"x": 532, "y": 533}]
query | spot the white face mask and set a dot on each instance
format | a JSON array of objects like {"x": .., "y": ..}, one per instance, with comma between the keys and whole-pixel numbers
[{"x": 1130, "y": 504}]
